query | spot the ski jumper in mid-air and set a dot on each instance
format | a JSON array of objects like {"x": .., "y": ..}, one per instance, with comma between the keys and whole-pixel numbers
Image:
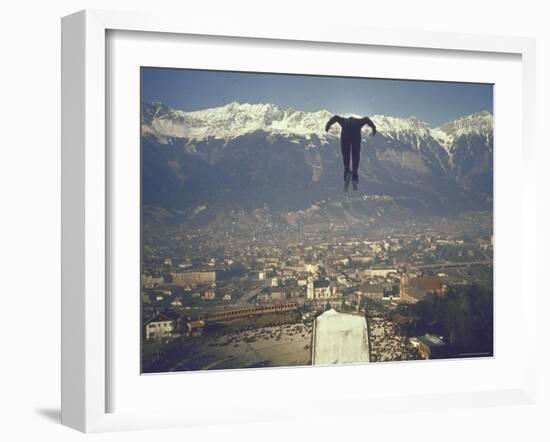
[{"x": 350, "y": 140}]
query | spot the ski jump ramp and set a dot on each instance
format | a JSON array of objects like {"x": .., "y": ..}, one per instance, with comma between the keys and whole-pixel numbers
[{"x": 340, "y": 338}]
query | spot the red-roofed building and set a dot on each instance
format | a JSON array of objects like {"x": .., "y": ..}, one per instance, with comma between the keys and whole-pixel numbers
[{"x": 416, "y": 288}]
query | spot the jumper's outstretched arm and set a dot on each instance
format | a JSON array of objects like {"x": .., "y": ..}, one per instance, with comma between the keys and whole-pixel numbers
[
  {"x": 334, "y": 119},
  {"x": 369, "y": 122}
]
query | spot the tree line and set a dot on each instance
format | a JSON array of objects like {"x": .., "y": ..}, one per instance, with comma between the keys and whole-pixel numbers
[{"x": 463, "y": 317}]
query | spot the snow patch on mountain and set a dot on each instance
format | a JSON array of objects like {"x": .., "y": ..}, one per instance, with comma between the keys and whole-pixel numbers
[
  {"x": 443, "y": 138},
  {"x": 199, "y": 209},
  {"x": 397, "y": 126}
]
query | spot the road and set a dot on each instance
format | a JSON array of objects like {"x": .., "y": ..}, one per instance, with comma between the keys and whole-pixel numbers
[
  {"x": 455, "y": 264},
  {"x": 245, "y": 299}
]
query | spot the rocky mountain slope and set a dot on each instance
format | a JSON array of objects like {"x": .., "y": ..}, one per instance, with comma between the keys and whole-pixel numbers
[{"x": 258, "y": 157}]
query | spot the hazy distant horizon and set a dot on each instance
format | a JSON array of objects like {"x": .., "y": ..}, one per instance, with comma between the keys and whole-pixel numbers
[{"x": 432, "y": 102}]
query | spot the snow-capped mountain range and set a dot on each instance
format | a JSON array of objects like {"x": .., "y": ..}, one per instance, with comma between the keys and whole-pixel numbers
[
  {"x": 264, "y": 152},
  {"x": 234, "y": 119}
]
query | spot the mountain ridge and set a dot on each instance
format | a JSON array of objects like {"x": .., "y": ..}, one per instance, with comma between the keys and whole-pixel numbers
[
  {"x": 235, "y": 119},
  {"x": 258, "y": 155}
]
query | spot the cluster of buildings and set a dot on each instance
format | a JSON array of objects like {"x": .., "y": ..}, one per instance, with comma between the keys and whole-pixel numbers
[
  {"x": 158, "y": 287},
  {"x": 415, "y": 288},
  {"x": 402, "y": 287},
  {"x": 180, "y": 278},
  {"x": 289, "y": 279},
  {"x": 194, "y": 276},
  {"x": 309, "y": 269}
]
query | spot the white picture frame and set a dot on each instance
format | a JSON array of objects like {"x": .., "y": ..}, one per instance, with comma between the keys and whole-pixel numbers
[{"x": 85, "y": 210}]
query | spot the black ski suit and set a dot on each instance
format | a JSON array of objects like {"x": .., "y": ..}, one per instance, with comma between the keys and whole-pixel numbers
[{"x": 350, "y": 138}]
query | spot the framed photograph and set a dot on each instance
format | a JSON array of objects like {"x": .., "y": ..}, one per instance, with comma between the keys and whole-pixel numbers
[
  {"x": 257, "y": 214},
  {"x": 278, "y": 237}
]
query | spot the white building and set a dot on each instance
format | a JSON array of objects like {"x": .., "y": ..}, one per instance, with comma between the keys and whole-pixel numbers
[
  {"x": 322, "y": 289},
  {"x": 311, "y": 268},
  {"x": 342, "y": 279},
  {"x": 176, "y": 303},
  {"x": 380, "y": 272},
  {"x": 159, "y": 326},
  {"x": 310, "y": 294},
  {"x": 209, "y": 294}
]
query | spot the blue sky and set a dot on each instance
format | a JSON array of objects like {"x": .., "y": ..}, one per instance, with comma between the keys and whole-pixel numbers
[{"x": 432, "y": 102}]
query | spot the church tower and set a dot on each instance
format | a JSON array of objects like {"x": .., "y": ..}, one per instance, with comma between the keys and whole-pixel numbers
[
  {"x": 310, "y": 291},
  {"x": 404, "y": 285}
]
